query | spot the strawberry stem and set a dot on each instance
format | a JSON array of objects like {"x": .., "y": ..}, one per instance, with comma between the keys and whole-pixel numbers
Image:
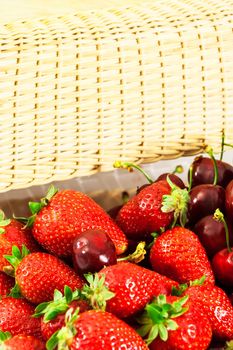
[
  {"x": 137, "y": 256},
  {"x": 209, "y": 151},
  {"x": 129, "y": 166},
  {"x": 222, "y": 144},
  {"x": 218, "y": 216}
]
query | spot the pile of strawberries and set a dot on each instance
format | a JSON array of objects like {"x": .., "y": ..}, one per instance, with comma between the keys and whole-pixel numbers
[{"x": 154, "y": 273}]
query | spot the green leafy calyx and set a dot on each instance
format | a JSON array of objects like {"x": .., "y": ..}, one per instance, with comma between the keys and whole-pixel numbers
[
  {"x": 62, "y": 339},
  {"x": 158, "y": 318},
  {"x": 96, "y": 292},
  {"x": 4, "y": 336},
  {"x": 178, "y": 291},
  {"x": 3, "y": 222},
  {"x": 59, "y": 305},
  {"x": 17, "y": 256},
  {"x": 177, "y": 202},
  {"x": 35, "y": 207}
]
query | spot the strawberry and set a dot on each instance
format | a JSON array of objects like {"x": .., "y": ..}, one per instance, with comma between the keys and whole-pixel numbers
[
  {"x": 153, "y": 209},
  {"x": 12, "y": 232},
  {"x": 53, "y": 312},
  {"x": 178, "y": 254},
  {"x": 131, "y": 287},
  {"x": 16, "y": 317},
  {"x": 38, "y": 274},
  {"x": 213, "y": 301},
  {"x": 61, "y": 216},
  {"x": 174, "y": 323},
  {"x": 20, "y": 342},
  {"x": 96, "y": 330},
  {"x": 6, "y": 283}
]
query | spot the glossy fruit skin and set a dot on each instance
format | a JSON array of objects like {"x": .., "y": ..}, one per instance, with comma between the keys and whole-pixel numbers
[
  {"x": 213, "y": 301},
  {"x": 229, "y": 201},
  {"x": 178, "y": 254},
  {"x": 24, "y": 342},
  {"x": 193, "y": 332},
  {"x": 16, "y": 317},
  {"x": 49, "y": 328},
  {"x": 38, "y": 274},
  {"x": 222, "y": 265},
  {"x": 15, "y": 234},
  {"x": 203, "y": 172},
  {"x": 204, "y": 200},
  {"x": 92, "y": 250},
  {"x": 174, "y": 178},
  {"x": 99, "y": 330},
  {"x": 142, "y": 214},
  {"x": 68, "y": 214},
  {"x": 134, "y": 286},
  {"x": 212, "y": 234},
  {"x": 6, "y": 283}
]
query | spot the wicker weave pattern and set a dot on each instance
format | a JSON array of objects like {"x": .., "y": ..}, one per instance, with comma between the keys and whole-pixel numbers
[{"x": 141, "y": 83}]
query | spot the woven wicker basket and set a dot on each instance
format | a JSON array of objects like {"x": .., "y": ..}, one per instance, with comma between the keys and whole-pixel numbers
[{"x": 81, "y": 88}]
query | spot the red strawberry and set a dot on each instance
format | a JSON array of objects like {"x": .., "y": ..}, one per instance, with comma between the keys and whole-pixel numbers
[
  {"x": 153, "y": 208},
  {"x": 16, "y": 317},
  {"x": 96, "y": 330},
  {"x": 20, "y": 342},
  {"x": 12, "y": 232},
  {"x": 6, "y": 283},
  {"x": 175, "y": 323},
  {"x": 62, "y": 216},
  {"x": 178, "y": 254},
  {"x": 213, "y": 301},
  {"x": 131, "y": 288},
  {"x": 53, "y": 312},
  {"x": 38, "y": 274}
]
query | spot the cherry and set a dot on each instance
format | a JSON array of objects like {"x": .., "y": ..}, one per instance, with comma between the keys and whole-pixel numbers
[
  {"x": 204, "y": 200},
  {"x": 222, "y": 262},
  {"x": 212, "y": 234},
  {"x": 92, "y": 250},
  {"x": 229, "y": 200},
  {"x": 203, "y": 172}
]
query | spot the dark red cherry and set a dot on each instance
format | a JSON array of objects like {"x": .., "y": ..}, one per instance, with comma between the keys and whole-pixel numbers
[
  {"x": 212, "y": 234},
  {"x": 173, "y": 177},
  {"x": 203, "y": 172},
  {"x": 229, "y": 201},
  {"x": 204, "y": 200},
  {"x": 222, "y": 265},
  {"x": 92, "y": 250}
]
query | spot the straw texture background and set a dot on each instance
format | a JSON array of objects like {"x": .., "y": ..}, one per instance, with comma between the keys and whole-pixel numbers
[{"x": 141, "y": 82}]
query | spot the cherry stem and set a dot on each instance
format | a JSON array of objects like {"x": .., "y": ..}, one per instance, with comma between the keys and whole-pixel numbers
[
  {"x": 137, "y": 256},
  {"x": 228, "y": 145},
  {"x": 178, "y": 170},
  {"x": 222, "y": 144},
  {"x": 218, "y": 216},
  {"x": 129, "y": 166},
  {"x": 210, "y": 152},
  {"x": 190, "y": 178}
]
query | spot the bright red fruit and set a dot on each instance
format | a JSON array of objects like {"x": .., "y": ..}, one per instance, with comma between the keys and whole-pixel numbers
[
  {"x": 38, "y": 274},
  {"x": 178, "y": 254},
  {"x": 175, "y": 324},
  {"x": 24, "y": 342},
  {"x": 67, "y": 214},
  {"x": 222, "y": 265},
  {"x": 213, "y": 302},
  {"x": 16, "y": 317},
  {"x": 132, "y": 286},
  {"x": 6, "y": 283},
  {"x": 142, "y": 214},
  {"x": 12, "y": 232},
  {"x": 99, "y": 330}
]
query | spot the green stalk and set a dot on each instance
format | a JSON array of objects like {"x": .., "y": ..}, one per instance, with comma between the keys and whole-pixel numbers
[
  {"x": 218, "y": 216},
  {"x": 127, "y": 165},
  {"x": 190, "y": 178},
  {"x": 222, "y": 144},
  {"x": 210, "y": 152}
]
